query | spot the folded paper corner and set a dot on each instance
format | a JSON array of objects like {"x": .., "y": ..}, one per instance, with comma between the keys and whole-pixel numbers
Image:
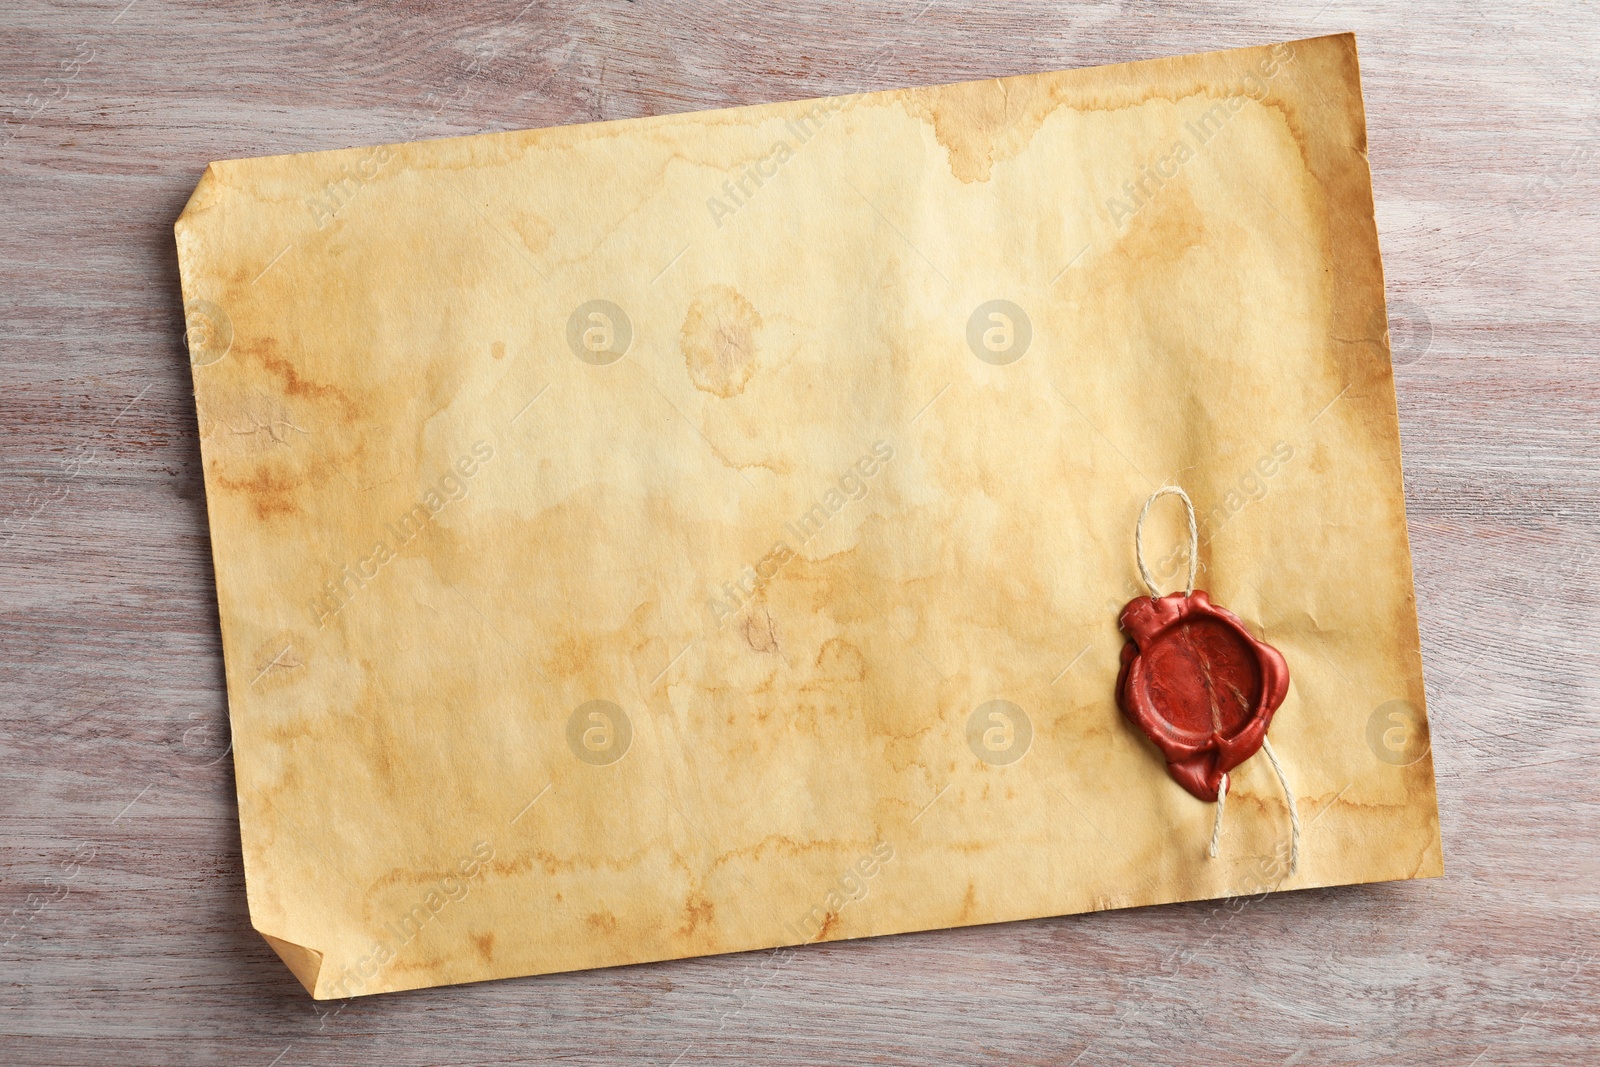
[
  {"x": 202, "y": 198},
  {"x": 304, "y": 963}
]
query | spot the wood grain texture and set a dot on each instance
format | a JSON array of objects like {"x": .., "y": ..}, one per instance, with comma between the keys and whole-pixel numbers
[{"x": 128, "y": 941}]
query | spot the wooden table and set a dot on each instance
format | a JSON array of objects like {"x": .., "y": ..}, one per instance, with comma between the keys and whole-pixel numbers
[{"x": 130, "y": 943}]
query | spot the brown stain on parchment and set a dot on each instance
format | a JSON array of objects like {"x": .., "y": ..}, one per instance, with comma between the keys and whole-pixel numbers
[
  {"x": 757, "y": 629},
  {"x": 839, "y": 661},
  {"x": 969, "y": 905},
  {"x": 1157, "y": 235},
  {"x": 484, "y": 943},
  {"x": 535, "y": 230},
  {"x": 983, "y": 123},
  {"x": 698, "y": 911},
  {"x": 719, "y": 341},
  {"x": 553, "y": 863},
  {"x": 279, "y": 661},
  {"x": 443, "y": 380},
  {"x": 291, "y": 383},
  {"x": 270, "y": 490},
  {"x": 790, "y": 848}
]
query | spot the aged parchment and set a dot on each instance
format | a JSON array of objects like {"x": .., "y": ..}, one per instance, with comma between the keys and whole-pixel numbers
[{"x": 705, "y": 533}]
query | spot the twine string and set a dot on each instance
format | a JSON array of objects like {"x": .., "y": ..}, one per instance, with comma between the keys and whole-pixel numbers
[
  {"x": 1288, "y": 795},
  {"x": 1194, "y": 539},
  {"x": 1216, "y": 826},
  {"x": 1155, "y": 594},
  {"x": 1294, "y": 812}
]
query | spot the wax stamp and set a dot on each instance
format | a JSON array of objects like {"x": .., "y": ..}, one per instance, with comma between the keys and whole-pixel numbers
[{"x": 1198, "y": 685}]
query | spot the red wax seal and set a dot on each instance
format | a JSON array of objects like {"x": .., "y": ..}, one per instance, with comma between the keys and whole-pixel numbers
[{"x": 1198, "y": 685}]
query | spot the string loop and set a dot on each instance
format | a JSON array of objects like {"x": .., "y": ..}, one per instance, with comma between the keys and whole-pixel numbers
[{"x": 1194, "y": 539}]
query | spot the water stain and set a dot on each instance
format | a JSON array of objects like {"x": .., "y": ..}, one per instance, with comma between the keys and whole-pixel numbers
[
  {"x": 265, "y": 351},
  {"x": 535, "y": 230},
  {"x": 269, "y": 489},
  {"x": 484, "y": 943},
  {"x": 983, "y": 123},
  {"x": 758, "y": 630},
  {"x": 840, "y": 661},
  {"x": 719, "y": 341},
  {"x": 698, "y": 911},
  {"x": 969, "y": 904},
  {"x": 279, "y": 661},
  {"x": 1158, "y": 235},
  {"x": 443, "y": 379}
]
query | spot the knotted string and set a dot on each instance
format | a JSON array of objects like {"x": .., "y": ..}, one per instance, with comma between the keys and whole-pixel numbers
[{"x": 1155, "y": 594}]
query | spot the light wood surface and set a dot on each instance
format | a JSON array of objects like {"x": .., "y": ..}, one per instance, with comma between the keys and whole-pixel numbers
[{"x": 128, "y": 941}]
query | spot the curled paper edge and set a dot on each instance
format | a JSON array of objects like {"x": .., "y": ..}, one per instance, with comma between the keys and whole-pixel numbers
[{"x": 304, "y": 963}]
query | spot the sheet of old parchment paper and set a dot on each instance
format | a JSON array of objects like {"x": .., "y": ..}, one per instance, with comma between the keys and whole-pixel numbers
[{"x": 704, "y": 533}]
